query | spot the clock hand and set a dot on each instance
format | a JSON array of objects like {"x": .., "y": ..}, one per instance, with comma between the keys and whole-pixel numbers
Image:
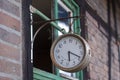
[
  {"x": 68, "y": 55},
  {"x": 74, "y": 54}
]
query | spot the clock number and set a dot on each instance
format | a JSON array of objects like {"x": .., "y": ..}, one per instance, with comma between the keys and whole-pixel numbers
[
  {"x": 70, "y": 40},
  {"x": 73, "y": 62},
  {"x": 57, "y": 51},
  {"x": 76, "y": 42},
  {"x": 80, "y": 46},
  {"x": 79, "y": 58},
  {"x": 67, "y": 63},
  {"x": 61, "y": 62},
  {"x": 81, "y": 52},
  {"x": 64, "y": 42},
  {"x": 60, "y": 45},
  {"x": 58, "y": 57}
]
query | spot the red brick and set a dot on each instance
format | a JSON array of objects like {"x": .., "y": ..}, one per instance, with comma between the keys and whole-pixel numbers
[
  {"x": 10, "y": 67},
  {"x": 9, "y": 52},
  {"x": 105, "y": 67},
  {"x": 93, "y": 75},
  {"x": 104, "y": 78},
  {"x": 116, "y": 62},
  {"x": 10, "y": 7},
  {"x": 17, "y": 0},
  {"x": 103, "y": 30},
  {"x": 9, "y": 21},
  {"x": 90, "y": 18},
  {"x": 92, "y": 60},
  {"x": 91, "y": 27},
  {"x": 9, "y": 37},
  {"x": 98, "y": 39},
  {"x": 5, "y": 78},
  {"x": 91, "y": 67}
]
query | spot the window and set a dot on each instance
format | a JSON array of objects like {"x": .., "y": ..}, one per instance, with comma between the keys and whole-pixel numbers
[
  {"x": 63, "y": 12},
  {"x": 43, "y": 41}
]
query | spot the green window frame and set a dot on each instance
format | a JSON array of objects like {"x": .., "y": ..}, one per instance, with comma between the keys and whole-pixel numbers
[{"x": 76, "y": 25}]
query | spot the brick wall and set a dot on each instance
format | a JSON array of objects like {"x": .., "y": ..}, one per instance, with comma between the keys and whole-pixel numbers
[
  {"x": 102, "y": 42},
  {"x": 10, "y": 40}
]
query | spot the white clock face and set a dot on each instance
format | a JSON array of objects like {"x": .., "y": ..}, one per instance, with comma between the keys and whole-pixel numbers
[{"x": 69, "y": 52}]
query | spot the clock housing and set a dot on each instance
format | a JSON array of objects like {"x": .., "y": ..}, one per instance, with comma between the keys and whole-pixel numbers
[{"x": 70, "y": 52}]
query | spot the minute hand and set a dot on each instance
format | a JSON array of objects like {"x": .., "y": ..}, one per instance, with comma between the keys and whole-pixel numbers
[{"x": 74, "y": 54}]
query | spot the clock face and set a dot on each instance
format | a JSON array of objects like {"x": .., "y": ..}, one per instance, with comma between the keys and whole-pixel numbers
[{"x": 68, "y": 51}]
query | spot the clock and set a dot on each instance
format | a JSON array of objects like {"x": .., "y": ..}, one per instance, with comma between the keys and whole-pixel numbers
[{"x": 70, "y": 52}]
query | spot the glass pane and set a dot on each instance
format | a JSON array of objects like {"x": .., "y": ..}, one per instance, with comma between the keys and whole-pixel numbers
[{"x": 62, "y": 13}]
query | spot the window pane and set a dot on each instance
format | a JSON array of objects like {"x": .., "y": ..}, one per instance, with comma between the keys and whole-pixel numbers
[{"x": 64, "y": 12}]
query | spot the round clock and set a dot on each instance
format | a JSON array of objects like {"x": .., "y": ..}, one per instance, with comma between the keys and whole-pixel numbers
[{"x": 70, "y": 52}]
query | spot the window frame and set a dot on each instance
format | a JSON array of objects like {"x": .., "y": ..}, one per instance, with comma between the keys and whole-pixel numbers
[{"x": 76, "y": 12}]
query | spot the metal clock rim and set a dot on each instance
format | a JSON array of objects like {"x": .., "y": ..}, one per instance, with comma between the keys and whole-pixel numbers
[{"x": 72, "y": 69}]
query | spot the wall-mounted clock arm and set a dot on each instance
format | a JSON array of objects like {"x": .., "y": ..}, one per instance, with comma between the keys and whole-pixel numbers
[{"x": 36, "y": 11}]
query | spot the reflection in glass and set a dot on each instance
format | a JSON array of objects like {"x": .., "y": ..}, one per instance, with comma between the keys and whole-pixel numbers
[{"x": 62, "y": 13}]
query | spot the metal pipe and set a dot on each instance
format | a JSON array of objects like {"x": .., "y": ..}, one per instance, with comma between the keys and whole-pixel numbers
[{"x": 36, "y": 11}]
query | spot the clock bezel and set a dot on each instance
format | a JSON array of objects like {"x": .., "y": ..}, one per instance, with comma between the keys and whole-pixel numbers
[{"x": 76, "y": 67}]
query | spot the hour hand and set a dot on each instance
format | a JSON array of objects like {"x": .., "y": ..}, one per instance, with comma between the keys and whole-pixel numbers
[
  {"x": 73, "y": 54},
  {"x": 68, "y": 56}
]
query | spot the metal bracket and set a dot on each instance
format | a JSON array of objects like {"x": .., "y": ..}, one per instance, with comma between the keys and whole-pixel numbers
[
  {"x": 48, "y": 21},
  {"x": 36, "y": 11}
]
